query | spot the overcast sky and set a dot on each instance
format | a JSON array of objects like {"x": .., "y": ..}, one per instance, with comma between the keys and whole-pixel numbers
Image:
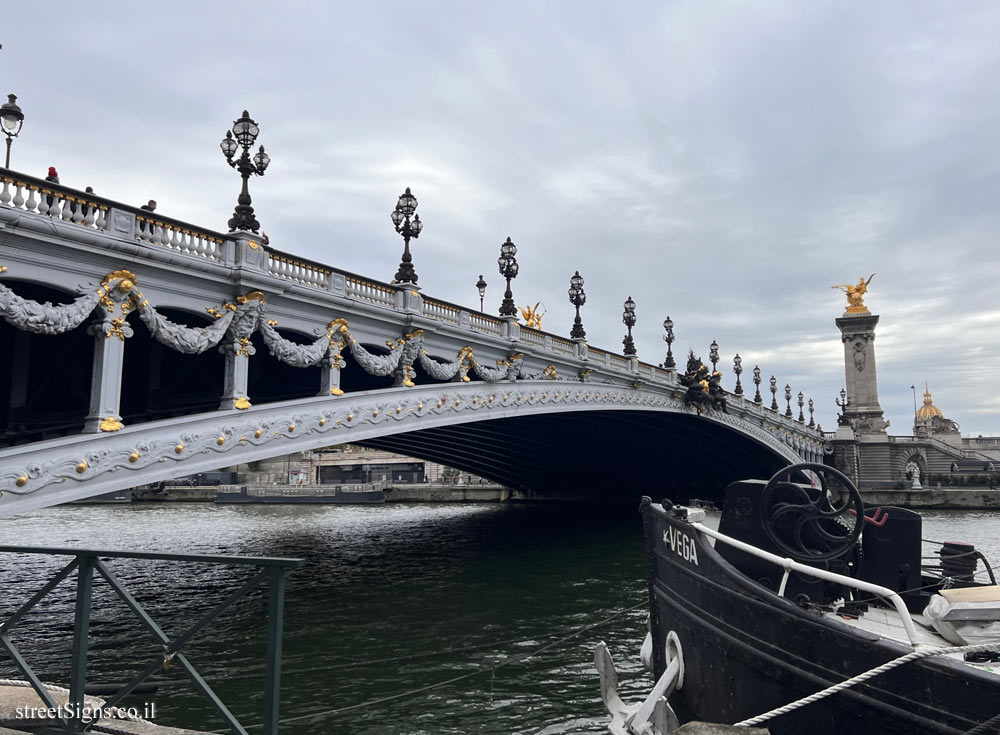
[{"x": 723, "y": 163}]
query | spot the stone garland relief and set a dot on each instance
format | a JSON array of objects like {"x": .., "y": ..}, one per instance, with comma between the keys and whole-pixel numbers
[
  {"x": 234, "y": 326},
  {"x": 44, "y": 318},
  {"x": 232, "y": 330}
]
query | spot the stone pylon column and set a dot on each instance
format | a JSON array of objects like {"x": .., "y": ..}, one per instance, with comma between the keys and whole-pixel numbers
[
  {"x": 330, "y": 367},
  {"x": 110, "y": 330},
  {"x": 237, "y": 348},
  {"x": 863, "y": 412}
]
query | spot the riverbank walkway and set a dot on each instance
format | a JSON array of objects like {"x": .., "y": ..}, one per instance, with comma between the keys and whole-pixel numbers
[{"x": 20, "y": 707}]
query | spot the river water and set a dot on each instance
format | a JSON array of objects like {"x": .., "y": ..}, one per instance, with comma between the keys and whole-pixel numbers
[{"x": 393, "y": 599}]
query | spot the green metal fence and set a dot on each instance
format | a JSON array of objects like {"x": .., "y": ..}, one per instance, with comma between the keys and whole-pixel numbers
[{"x": 88, "y": 561}]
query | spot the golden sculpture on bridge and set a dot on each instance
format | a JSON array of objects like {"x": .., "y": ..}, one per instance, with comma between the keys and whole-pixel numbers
[
  {"x": 856, "y": 295},
  {"x": 532, "y": 316}
]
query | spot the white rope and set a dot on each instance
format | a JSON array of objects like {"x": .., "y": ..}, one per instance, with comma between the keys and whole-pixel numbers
[{"x": 924, "y": 653}]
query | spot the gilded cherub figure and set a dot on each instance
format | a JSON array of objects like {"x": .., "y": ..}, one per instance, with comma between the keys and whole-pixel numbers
[{"x": 855, "y": 294}]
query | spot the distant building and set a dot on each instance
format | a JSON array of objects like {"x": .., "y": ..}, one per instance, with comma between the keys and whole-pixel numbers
[
  {"x": 349, "y": 464},
  {"x": 936, "y": 453},
  {"x": 930, "y": 422}
]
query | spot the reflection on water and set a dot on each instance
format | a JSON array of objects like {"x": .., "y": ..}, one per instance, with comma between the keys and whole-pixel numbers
[{"x": 392, "y": 599}]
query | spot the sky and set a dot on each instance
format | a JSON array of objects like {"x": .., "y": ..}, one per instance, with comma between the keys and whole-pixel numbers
[{"x": 723, "y": 163}]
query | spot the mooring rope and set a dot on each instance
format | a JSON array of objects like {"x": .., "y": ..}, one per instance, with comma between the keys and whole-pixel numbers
[{"x": 924, "y": 653}]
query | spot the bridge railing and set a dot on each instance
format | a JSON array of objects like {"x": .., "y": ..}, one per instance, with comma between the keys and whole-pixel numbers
[
  {"x": 299, "y": 270},
  {"x": 87, "y": 562},
  {"x": 45, "y": 198},
  {"x": 88, "y": 210}
]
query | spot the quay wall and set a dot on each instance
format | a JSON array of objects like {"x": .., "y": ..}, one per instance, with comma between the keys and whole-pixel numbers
[
  {"x": 944, "y": 498},
  {"x": 403, "y": 493}
]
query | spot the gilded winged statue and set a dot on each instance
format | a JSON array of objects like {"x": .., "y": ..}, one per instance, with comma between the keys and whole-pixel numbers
[
  {"x": 532, "y": 315},
  {"x": 856, "y": 293}
]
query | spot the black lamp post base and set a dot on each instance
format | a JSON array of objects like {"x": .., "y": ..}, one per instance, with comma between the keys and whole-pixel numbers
[
  {"x": 405, "y": 274},
  {"x": 243, "y": 219}
]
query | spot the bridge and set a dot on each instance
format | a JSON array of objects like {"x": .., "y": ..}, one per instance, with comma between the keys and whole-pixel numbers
[{"x": 141, "y": 348}]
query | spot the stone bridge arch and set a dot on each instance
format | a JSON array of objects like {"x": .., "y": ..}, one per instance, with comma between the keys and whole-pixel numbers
[{"x": 545, "y": 437}]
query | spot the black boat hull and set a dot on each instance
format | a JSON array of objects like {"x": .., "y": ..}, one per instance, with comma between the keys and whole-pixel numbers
[{"x": 747, "y": 651}]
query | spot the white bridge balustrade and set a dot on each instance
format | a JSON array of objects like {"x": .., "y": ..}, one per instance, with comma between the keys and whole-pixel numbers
[
  {"x": 129, "y": 274},
  {"x": 298, "y": 271},
  {"x": 373, "y": 291}
]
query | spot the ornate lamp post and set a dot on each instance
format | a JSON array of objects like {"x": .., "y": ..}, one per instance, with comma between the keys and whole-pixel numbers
[
  {"x": 843, "y": 403},
  {"x": 802, "y": 399},
  {"x": 738, "y": 369},
  {"x": 812, "y": 421},
  {"x": 405, "y": 208},
  {"x": 788, "y": 400},
  {"x": 774, "y": 391},
  {"x": 713, "y": 353},
  {"x": 508, "y": 269},
  {"x": 481, "y": 285},
  {"x": 11, "y": 119},
  {"x": 668, "y": 326},
  {"x": 628, "y": 317},
  {"x": 245, "y": 131},
  {"x": 756, "y": 379},
  {"x": 578, "y": 298}
]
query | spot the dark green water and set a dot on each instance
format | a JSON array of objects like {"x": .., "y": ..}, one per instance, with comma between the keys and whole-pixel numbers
[{"x": 392, "y": 599}]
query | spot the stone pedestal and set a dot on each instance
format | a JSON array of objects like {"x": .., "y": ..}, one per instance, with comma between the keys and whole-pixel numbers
[
  {"x": 408, "y": 298},
  {"x": 863, "y": 413}
]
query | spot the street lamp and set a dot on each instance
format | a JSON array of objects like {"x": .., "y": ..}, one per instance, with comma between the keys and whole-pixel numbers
[
  {"x": 668, "y": 326},
  {"x": 481, "y": 285},
  {"x": 812, "y": 421},
  {"x": 756, "y": 379},
  {"x": 245, "y": 131},
  {"x": 628, "y": 317},
  {"x": 713, "y": 353},
  {"x": 578, "y": 298},
  {"x": 788, "y": 401},
  {"x": 802, "y": 418},
  {"x": 738, "y": 369},
  {"x": 11, "y": 118},
  {"x": 508, "y": 269},
  {"x": 844, "y": 401},
  {"x": 774, "y": 391},
  {"x": 405, "y": 207}
]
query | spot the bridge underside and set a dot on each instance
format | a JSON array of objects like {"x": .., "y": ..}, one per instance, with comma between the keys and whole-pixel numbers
[{"x": 610, "y": 454}]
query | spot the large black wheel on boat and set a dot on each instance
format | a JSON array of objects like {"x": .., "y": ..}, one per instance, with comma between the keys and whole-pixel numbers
[{"x": 812, "y": 523}]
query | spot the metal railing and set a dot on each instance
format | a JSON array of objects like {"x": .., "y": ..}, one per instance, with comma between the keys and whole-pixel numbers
[
  {"x": 87, "y": 561},
  {"x": 790, "y": 566}
]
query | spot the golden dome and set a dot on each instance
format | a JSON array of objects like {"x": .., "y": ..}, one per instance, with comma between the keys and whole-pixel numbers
[{"x": 928, "y": 410}]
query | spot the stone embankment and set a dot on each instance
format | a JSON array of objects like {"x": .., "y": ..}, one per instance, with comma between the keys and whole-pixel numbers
[
  {"x": 944, "y": 498},
  {"x": 401, "y": 493}
]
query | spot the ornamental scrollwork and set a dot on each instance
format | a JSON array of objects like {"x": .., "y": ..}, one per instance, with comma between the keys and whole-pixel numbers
[{"x": 244, "y": 323}]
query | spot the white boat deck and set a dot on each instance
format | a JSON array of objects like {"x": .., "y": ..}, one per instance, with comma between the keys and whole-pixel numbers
[{"x": 886, "y": 622}]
